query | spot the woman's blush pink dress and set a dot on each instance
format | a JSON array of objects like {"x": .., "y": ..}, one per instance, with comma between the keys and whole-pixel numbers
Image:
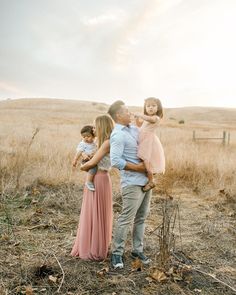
[
  {"x": 95, "y": 225},
  {"x": 150, "y": 149}
]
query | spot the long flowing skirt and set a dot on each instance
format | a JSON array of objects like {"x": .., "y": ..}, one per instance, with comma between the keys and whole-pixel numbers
[{"x": 95, "y": 225}]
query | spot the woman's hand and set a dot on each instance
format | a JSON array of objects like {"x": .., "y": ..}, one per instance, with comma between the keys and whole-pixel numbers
[
  {"x": 100, "y": 153},
  {"x": 85, "y": 167}
]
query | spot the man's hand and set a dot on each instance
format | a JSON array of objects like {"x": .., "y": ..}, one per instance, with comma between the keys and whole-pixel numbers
[{"x": 141, "y": 167}]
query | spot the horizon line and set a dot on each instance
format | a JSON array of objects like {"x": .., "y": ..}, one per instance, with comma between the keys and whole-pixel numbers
[{"x": 102, "y": 102}]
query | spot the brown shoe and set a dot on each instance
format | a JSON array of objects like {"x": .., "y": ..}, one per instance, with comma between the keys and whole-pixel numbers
[{"x": 148, "y": 186}]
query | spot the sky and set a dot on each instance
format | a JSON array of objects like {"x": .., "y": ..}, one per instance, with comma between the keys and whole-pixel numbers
[{"x": 181, "y": 51}]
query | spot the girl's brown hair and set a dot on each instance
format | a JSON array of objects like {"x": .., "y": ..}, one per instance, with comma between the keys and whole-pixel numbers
[
  {"x": 159, "y": 112},
  {"x": 104, "y": 126}
]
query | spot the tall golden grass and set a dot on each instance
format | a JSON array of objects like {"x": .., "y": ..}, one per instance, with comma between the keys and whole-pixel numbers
[
  {"x": 41, "y": 197},
  {"x": 47, "y": 157}
]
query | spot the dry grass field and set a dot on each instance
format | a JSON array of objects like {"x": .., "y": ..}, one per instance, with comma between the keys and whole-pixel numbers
[{"x": 41, "y": 199}]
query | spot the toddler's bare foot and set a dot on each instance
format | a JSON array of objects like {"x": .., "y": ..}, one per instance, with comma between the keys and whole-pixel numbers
[{"x": 149, "y": 186}]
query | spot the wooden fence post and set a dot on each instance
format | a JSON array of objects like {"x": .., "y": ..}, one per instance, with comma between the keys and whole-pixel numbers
[
  {"x": 224, "y": 137},
  {"x": 228, "y": 137}
]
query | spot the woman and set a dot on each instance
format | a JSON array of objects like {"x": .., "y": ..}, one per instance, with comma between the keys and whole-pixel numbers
[{"x": 95, "y": 225}]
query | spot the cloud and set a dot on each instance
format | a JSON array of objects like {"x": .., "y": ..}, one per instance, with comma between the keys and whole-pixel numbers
[
  {"x": 109, "y": 17},
  {"x": 10, "y": 89},
  {"x": 145, "y": 21},
  {"x": 91, "y": 49}
]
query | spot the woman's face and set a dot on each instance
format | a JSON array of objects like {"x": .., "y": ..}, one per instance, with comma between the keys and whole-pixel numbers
[{"x": 94, "y": 128}]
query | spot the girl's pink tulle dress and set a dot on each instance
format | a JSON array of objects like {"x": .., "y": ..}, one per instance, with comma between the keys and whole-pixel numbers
[
  {"x": 150, "y": 149},
  {"x": 95, "y": 225}
]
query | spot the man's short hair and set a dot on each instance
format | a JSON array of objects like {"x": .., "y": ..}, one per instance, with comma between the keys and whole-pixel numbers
[{"x": 115, "y": 108}]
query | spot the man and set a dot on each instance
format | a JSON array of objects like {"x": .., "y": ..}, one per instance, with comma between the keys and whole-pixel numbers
[{"x": 136, "y": 203}]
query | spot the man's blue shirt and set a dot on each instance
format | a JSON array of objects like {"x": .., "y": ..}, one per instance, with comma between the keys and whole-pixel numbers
[{"x": 123, "y": 149}]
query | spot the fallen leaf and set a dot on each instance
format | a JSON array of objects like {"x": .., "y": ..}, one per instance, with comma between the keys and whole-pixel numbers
[
  {"x": 227, "y": 269},
  {"x": 158, "y": 276},
  {"x": 39, "y": 211},
  {"x": 170, "y": 271},
  {"x": 136, "y": 265},
  {"x": 29, "y": 290},
  {"x": 149, "y": 279},
  {"x": 34, "y": 201},
  {"x": 35, "y": 191},
  {"x": 177, "y": 277},
  {"x": 5, "y": 237},
  {"x": 103, "y": 271},
  {"x": 52, "y": 279}
]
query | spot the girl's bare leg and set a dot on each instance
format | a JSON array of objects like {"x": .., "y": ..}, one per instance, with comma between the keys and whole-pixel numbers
[
  {"x": 150, "y": 176},
  {"x": 150, "y": 183}
]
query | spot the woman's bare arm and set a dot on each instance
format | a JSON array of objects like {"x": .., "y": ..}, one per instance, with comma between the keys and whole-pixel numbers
[{"x": 100, "y": 153}]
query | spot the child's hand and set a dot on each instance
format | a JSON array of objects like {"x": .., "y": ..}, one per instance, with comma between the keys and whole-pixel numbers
[
  {"x": 137, "y": 115},
  {"x": 91, "y": 155},
  {"x": 85, "y": 157},
  {"x": 131, "y": 114},
  {"x": 74, "y": 164}
]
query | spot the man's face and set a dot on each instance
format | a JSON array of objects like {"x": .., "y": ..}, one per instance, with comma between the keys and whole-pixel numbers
[{"x": 124, "y": 116}]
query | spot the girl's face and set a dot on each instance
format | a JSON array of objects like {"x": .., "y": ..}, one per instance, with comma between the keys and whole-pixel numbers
[
  {"x": 87, "y": 137},
  {"x": 151, "y": 107}
]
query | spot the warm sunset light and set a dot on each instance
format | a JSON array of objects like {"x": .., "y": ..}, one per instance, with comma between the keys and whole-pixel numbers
[
  {"x": 180, "y": 50},
  {"x": 118, "y": 147}
]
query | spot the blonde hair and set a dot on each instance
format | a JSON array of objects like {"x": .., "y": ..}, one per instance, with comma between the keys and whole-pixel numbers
[{"x": 104, "y": 127}]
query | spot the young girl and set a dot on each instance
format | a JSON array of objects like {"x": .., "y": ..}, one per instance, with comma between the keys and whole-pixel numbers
[
  {"x": 86, "y": 148},
  {"x": 95, "y": 226},
  {"x": 150, "y": 148}
]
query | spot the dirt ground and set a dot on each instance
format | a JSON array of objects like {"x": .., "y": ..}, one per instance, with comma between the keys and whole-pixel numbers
[{"x": 38, "y": 227}]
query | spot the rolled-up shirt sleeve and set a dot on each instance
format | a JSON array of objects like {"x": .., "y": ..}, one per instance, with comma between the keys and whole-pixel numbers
[{"x": 116, "y": 150}]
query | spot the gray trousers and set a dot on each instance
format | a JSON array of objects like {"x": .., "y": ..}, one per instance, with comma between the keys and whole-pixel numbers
[{"x": 136, "y": 206}]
